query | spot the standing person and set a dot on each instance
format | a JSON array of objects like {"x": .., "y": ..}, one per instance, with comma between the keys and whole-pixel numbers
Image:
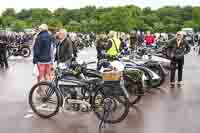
[
  {"x": 133, "y": 40},
  {"x": 100, "y": 47},
  {"x": 198, "y": 44},
  {"x": 140, "y": 38},
  {"x": 112, "y": 49},
  {"x": 149, "y": 39},
  {"x": 177, "y": 47},
  {"x": 3, "y": 53},
  {"x": 64, "y": 49},
  {"x": 42, "y": 53},
  {"x": 75, "y": 50},
  {"x": 124, "y": 45}
]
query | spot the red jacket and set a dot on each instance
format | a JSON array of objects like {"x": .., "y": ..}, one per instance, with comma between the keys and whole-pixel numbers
[{"x": 149, "y": 40}]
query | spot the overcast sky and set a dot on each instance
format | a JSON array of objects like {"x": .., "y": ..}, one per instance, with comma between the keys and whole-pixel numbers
[{"x": 71, "y": 4}]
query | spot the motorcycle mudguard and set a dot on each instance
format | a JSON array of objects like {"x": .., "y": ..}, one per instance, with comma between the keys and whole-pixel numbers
[
  {"x": 134, "y": 73},
  {"x": 157, "y": 65},
  {"x": 160, "y": 59},
  {"x": 151, "y": 77}
]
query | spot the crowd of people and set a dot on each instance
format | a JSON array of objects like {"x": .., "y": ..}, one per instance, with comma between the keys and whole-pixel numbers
[
  {"x": 45, "y": 52},
  {"x": 177, "y": 48},
  {"x": 49, "y": 48},
  {"x": 13, "y": 39}
]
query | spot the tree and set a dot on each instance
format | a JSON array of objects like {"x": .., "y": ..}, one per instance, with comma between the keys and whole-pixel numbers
[
  {"x": 19, "y": 25},
  {"x": 122, "y": 18},
  {"x": 24, "y": 14},
  {"x": 40, "y": 15},
  {"x": 62, "y": 15},
  {"x": 54, "y": 24},
  {"x": 196, "y": 15},
  {"x": 9, "y": 12},
  {"x": 151, "y": 19},
  {"x": 191, "y": 24},
  {"x": 73, "y": 26},
  {"x": 159, "y": 27},
  {"x": 186, "y": 13},
  {"x": 8, "y": 21},
  {"x": 147, "y": 11},
  {"x": 172, "y": 28}
]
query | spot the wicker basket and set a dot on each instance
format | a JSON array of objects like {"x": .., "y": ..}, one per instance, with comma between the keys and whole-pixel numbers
[{"x": 111, "y": 76}]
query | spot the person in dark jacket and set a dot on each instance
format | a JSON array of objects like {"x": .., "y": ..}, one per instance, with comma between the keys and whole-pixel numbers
[
  {"x": 42, "y": 53},
  {"x": 133, "y": 40},
  {"x": 75, "y": 50},
  {"x": 64, "y": 50},
  {"x": 178, "y": 47},
  {"x": 100, "y": 47},
  {"x": 3, "y": 58},
  {"x": 140, "y": 38}
]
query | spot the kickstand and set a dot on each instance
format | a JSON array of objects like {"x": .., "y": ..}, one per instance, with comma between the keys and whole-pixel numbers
[{"x": 102, "y": 123}]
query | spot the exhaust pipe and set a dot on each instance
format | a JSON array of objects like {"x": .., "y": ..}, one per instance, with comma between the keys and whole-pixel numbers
[{"x": 74, "y": 101}]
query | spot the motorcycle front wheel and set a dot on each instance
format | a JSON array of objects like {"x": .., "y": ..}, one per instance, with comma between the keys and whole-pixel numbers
[
  {"x": 109, "y": 108},
  {"x": 25, "y": 52},
  {"x": 44, "y": 100}
]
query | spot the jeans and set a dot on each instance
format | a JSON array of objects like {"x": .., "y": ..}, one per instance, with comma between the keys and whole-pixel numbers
[{"x": 176, "y": 65}]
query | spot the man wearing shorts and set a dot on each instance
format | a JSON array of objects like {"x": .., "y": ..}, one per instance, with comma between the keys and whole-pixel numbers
[{"x": 42, "y": 53}]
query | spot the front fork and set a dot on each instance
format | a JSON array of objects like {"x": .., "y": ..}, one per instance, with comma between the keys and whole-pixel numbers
[{"x": 124, "y": 90}]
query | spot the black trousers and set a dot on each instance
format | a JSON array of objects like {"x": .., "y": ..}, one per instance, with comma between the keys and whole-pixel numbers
[
  {"x": 3, "y": 59},
  {"x": 176, "y": 64}
]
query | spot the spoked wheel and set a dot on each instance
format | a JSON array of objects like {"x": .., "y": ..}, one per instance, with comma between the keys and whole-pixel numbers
[
  {"x": 44, "y": 100},
  {"x": 25, "y": 52},
  {"x": 109, "y": 109}
]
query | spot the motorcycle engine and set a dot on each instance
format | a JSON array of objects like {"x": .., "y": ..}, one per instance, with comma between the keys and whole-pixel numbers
[{"x": 14, "y": 51}]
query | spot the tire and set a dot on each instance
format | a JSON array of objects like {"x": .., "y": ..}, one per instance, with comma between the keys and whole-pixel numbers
[
  {"x": 33, "y": 107},
  {"x": 116, "y": 102},
  {"x": 25, "y": 52}
]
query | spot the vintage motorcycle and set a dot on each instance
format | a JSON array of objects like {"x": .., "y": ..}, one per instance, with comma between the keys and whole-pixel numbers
[{"x": 18, "y": 50}]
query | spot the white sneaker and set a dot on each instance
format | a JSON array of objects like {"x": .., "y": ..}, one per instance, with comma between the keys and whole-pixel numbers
[
  {"x": 172, "y": 85},
  {"x": 180, "y": 83}
]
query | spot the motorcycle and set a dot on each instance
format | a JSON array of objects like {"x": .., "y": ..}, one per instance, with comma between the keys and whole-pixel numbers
[
  {"x": 74, "y": 91},
  {"x": 18, "y": 50}
]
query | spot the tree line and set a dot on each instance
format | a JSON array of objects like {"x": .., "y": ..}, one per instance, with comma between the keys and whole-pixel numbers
[{"x": 90, "y": 18}]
